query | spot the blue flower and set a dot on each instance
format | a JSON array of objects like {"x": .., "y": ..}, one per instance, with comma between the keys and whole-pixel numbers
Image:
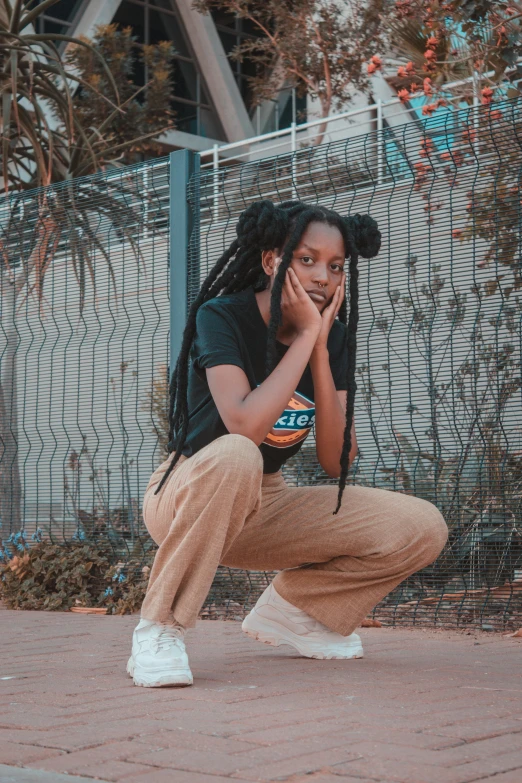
[
  {"x": 37, "y": 535},
  {"x": 109, "y": 591},
  {"x": 7, "y": 552},
  {"x": 20, "y": 547},
  {"x": 121, "y": 578},
  {"x": 79, "y": 535}
]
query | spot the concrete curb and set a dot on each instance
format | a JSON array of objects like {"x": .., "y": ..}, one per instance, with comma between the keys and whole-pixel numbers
[{"x": 21, "y": 775}]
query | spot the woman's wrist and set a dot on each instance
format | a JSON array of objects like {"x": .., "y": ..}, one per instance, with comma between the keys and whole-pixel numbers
[
  {"x": 319, "y": 354},
  {"x": 309, "y": 334}
]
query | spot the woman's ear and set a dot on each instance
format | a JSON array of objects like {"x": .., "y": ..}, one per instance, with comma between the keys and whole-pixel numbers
[{"x": 268, "y": 261}]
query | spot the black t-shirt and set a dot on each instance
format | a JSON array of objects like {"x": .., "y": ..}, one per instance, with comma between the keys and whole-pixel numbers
[{"x": 230, "y": 330}]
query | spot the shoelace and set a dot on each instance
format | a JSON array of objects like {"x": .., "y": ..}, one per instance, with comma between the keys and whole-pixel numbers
[{"x": 169, "y": 634}]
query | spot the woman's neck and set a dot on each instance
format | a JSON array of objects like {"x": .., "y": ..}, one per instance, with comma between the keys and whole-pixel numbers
[{"x": 285, "y": 334}]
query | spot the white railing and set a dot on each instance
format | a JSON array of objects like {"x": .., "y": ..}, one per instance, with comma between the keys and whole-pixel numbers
[
  {"x": 287, "y": 138},
  {"x": 286, "y": 133}
]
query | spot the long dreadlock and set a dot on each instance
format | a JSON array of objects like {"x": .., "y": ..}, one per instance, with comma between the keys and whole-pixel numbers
[{"x": 267, "y": 226}]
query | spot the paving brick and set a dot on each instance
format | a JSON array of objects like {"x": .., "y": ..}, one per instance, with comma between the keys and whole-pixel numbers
[
  {"x": 180, "y": 776},
  {"x": 20, "y": 755},
  {"x": 114, "y": 751},
  {"x": 209, "y": 762},
  {"x": 113, "y": 770},
  {"x": 307, "y": 763},
  {"x": 508, "y": 777},
  {"x": 481, "y": 729},
  {"x": 447, "y": 757},
  {"x": 286, "y": 733}
]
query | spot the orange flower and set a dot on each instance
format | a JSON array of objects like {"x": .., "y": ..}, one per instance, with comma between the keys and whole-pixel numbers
[
  {"x": 446, "y": 156},
  {"x": 429, "y": 108},
  {"x": 375, "y": 64},
  {"x": 469, "y": 134},
  {"x": 496, "y": 114},
  {"x": 426, "y": 86},
  {"x": 432, "y": 41},
  {"x": 403, "y": 95},
  {"x": 456, "y": 233},
  {"x": 487, "y": 96},
  {"x": 458, "y": 158},
  {"x": 429, "y": 54}
]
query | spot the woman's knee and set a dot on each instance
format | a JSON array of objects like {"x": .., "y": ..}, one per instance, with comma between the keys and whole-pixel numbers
[
  {"x": 238, "y": 454},
  {"x": 430, "y": 531},
  {"x": 414, "y": 528}
]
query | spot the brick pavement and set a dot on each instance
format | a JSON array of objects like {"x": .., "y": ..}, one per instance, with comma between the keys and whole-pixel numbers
[{"x": 422, "y": 707}]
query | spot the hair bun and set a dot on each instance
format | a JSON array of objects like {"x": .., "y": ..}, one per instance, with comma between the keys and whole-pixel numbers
[
  {"x": 366, "y": 235},
  {"x": 262, "y": 224}
]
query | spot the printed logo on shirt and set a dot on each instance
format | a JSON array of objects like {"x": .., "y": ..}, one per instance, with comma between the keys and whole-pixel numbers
[{"x": 294, "y": 424}]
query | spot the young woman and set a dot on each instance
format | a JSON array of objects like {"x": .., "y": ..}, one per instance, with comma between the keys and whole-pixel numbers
[{"x": 266, "y": 354}]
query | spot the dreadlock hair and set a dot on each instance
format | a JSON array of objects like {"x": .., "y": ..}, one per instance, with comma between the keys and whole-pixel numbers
[{"x": 267, "y": 226}]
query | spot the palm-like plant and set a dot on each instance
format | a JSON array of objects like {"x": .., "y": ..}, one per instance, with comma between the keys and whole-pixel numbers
[{"x": 62, "y": 117}]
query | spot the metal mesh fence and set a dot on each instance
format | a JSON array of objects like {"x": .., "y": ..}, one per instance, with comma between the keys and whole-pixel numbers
[
  {"x": 84, "y": 334},
  {"x": 438, "y": 370},
  {"x": 83, "y": 355}
]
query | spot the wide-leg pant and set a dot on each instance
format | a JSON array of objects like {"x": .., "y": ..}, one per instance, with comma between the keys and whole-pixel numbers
[{"x": 217, "y": 507}]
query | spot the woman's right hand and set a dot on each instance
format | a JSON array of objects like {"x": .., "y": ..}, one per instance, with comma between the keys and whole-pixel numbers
[{"x": 297, "y": 308}]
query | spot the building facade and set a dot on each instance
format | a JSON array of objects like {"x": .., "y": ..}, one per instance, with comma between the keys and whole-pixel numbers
[{"x": 213, "y": 100}]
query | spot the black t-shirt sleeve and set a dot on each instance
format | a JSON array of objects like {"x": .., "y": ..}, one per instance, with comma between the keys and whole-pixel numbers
[
  {"x": 216, "y": 340},
  {"x": 338, "y": 355}
]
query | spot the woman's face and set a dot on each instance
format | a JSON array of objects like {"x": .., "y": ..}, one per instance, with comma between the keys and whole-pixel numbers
[{"x": 318, "y": 262}]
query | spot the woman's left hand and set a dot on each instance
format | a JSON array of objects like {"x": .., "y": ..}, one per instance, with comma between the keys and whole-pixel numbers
[{"x": 329, "y": 314}]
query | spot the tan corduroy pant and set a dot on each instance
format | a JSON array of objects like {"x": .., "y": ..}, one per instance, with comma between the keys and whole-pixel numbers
[{"x": 218, "y": 507}]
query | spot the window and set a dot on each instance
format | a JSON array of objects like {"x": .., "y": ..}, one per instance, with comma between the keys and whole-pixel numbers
[
  {"x": 287, "y": 106},
  {"x": 59, "y": 17},
  {"x": 156, "y": 20}
]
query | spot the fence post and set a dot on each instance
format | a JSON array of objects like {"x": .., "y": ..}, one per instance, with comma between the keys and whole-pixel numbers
[
  {"x": 293, "y": 148},
  {"x": 182, "y": 165},
  {"x": 380, "y": 142},
  {"x": 215, "y": 179}
]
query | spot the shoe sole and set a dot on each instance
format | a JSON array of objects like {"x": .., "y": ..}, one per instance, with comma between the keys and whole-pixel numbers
[
  {"x": 268, "y": 634},
  {"x": 177, "y": 677}
]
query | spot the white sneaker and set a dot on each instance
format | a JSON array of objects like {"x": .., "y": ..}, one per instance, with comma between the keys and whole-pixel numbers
[
  {"x": 273, "y": 620},
  {"x": 158, "y": 655}
]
